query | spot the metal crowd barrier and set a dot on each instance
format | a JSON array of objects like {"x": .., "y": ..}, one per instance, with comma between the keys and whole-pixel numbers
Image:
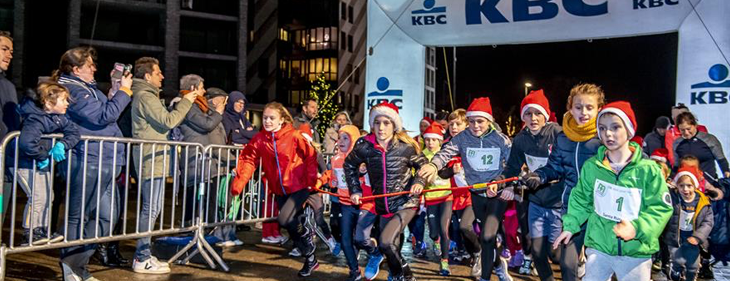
[{"x": 194, "y": 194}]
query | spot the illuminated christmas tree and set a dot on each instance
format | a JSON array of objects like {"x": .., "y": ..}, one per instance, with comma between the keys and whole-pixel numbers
[{"x": 323, "y": 93}]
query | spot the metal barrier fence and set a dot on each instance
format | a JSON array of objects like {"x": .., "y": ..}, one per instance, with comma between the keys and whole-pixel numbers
[{"x": 189, "y": 192}]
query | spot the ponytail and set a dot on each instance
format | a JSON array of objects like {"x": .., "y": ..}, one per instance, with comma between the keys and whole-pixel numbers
[
  {"x": 76, "y": 57},
  {"x": 405, "y": 138}
]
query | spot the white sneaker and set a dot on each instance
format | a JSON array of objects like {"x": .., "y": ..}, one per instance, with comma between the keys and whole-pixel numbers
[
  {"x": 268, "y": 240},
  {"x": 149, "y": 267},
  {"x": 295, "y": 253},
  {"x": 159, "y": 263},
  {"x": 281, "y": 239},
  {"x": 237, "y": 242},
  {"x": 225, "y": 244}
]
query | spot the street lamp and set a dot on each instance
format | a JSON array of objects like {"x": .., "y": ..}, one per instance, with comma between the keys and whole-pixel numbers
[{"x": 527, "y": 86}]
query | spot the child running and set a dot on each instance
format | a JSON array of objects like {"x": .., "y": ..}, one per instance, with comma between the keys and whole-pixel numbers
[
  {"x": 624, "y": 199},
  {"x": 485, "y": 150},
  {"x": 438, "y": 203},
  {"x": 390, "y": 155},
  {"x": 690, "y": 224},
  {"x": 290, "y": 165},
  {"x": 539, "y": 211},
  {"x": 573, "y": 147}
]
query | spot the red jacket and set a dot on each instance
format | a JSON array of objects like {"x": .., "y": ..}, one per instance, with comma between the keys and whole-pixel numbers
[{"x": 294, "y": 165}]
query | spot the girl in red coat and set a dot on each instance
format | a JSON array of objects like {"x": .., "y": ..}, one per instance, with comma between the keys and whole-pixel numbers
[{"x": 290, "y": 166}]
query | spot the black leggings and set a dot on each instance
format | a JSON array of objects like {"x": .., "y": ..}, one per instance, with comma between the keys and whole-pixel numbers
[
  {"x": 542, "y": 253},
  {"x": 524, "y": 234},
  {"x": 490, "y": 211},
  {"x": 335, "y": 217},
  {"x": 315, "y": 200},
  {"x": 438, "y": 225},
  {"x": 291, "y": 209},
  {"x": 391, "y": 230},
  {"x": 466, "y": 227},
  {"x": 570, "y": 258}
]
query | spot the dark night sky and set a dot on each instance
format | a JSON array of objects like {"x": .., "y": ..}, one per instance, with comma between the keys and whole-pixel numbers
[{"x": 641, "y": 70}]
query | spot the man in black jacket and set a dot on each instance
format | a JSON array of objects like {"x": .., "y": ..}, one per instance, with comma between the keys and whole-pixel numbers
[
  {"x": 8, "y": 104},
  {"x": 655, "y": 139},
  {"x": 308, "y": 114}
]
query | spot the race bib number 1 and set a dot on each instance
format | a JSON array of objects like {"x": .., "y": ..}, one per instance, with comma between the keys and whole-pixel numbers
[
  {"x": 483, "y": 159},
  {"x": 616, "y": 203}
]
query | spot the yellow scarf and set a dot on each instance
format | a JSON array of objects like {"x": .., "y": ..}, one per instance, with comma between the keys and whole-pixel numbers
[{"x": 578, "y": 133}]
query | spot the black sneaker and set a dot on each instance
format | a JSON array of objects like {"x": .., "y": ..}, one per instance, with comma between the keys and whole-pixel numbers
[
  {"x": 310, "y": 264},
  {"x": 354, "y": 276}
]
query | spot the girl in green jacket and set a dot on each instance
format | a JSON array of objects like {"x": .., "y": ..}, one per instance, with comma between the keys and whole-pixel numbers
[{"x": 624, "y": 200}]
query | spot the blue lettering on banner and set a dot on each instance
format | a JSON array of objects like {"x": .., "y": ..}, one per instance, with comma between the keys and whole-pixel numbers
[
  {"x": 648, "y": 4},
  {"x": 474, "y": 9},
  {"x": 383, "y": 94},
  {"x": 718, "y": 73},
  {"x": 429, "y": 15}
]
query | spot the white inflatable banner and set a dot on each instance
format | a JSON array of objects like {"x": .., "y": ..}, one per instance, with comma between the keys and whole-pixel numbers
[{"x": 395, "y": 69}]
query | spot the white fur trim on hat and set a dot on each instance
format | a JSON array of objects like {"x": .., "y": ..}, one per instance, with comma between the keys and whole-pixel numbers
[
  {"x": 480, "y": 114},
  {"x": 621, "y": 114},
  {"x": 679, "y": 175},
  {"x": 388, "y": 112},
  {"x": 535, "y": 106},
  {"x": 658, "y": 158},
  {"x": 433, "y": 136}
]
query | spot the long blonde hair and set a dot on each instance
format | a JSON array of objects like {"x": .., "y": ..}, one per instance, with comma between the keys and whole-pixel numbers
[{"x": 405, "y": 138}]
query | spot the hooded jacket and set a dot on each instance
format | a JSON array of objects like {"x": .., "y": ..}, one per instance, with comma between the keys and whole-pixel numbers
[
  {"x": 336, "y": 176},
  {"x": 289, "y": 162},
  {"x": 534, "y": 151},
  {"x": 702, "y": 222},
  {"x": 565, "y": 163},
  {"x": 95, "y": 115},
  {"x": 36, "y": 123},
  {"x": 331, "y": 135},
  {"x": 638, "y": 193},
  {"x": 389, "y": 171},
  {"x": 236, "y": 124},
  {"x": 466, "y": 143},
  {"x": 152, "y": 121}
]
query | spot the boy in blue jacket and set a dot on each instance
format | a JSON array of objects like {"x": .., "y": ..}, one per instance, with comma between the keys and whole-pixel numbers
[{"x": 43, "y": 114}]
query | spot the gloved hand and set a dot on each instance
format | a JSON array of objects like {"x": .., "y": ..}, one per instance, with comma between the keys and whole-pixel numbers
[
  {"x": 58, "y": 152},
  {"x": 532, "y": 180},
  {"x": 43, "y": 164}
]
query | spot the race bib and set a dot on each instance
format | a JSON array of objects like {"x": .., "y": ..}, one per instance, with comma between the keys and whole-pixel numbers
[
  {"x": 367, "y": 180},
  {"x": 685, "y": 220},
  {"x": 460, "y": 179},
  {"x": 534, "y": 163},
  {"x": 483, "y": 159},
  {"x": 340, "y": 175},
  {"x": 616, "y": 203}
]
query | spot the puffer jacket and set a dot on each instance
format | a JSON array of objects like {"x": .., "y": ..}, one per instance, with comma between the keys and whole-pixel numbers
[
  {"x": 389, "y": 171},
  {"x": 289, "y": 161},
  {"x": 566, "y": 161},
  {"x": 95, "y": 115},
  {"x": 702, "y": 222},
  {"x": 37, "y": 122},
  {"x": 534, "y": 151}
]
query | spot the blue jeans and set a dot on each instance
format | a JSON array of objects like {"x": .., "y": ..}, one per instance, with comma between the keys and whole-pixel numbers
[
  {"x": 544, "y": 222},
  {"x": 348, "y": 220},
  {"x": 77, "y": 257},
  {"x": 151, "y": 194},
  {"x": 365, "y": 222}
]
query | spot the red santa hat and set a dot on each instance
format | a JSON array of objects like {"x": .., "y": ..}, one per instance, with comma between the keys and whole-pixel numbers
[
  {"x": 435, "y": 131},
  {"x": 623, "y": 110},
  {"x": 427, "y": 119},
  {"x": 536, "y": 100},
  {"x": 660, "y": 154},
  {"x": 389, "y": 110},
  {"x": 692, "y": 172},
  {"x": 638, "y": 140},
  {"x": 480, "y": 107}
]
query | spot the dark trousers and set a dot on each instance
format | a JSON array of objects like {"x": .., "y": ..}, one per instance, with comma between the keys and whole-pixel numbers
[{"x": 390, "y": 231}]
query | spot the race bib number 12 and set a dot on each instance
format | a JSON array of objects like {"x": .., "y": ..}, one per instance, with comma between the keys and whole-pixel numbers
[
  {"x": 616, "y": 203},
  {"x": 483, "y": 159}
]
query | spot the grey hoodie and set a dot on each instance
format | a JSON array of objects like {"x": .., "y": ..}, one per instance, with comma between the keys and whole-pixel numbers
[{"x": 483, "y": 158}]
